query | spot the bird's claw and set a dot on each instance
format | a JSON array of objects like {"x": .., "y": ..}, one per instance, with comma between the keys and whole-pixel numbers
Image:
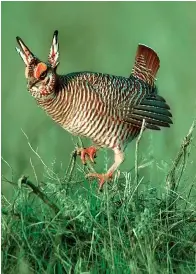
[
  {"x": 90, "y": 152},
  {"x": 103, "y": 178}
]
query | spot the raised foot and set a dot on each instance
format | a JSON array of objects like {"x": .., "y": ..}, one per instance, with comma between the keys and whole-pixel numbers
[
  {"x": 89, "y": 152},
  {"x": 103, "y": 178}
]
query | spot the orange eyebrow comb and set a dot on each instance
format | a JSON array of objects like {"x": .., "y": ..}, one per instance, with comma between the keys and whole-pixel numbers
[{"x": 41, "y": 67}]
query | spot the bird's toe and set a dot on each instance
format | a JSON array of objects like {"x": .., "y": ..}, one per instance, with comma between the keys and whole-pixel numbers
[
  {"x": 84, "y": 153},
  {"x": 102, "y": 178}
]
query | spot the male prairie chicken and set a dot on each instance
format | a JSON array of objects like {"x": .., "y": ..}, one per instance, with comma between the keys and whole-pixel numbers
[{"x": 107, "y": 109}]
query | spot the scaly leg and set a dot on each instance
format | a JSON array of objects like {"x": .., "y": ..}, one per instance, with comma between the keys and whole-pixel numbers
[
  {"x": 118, "y": 159},
  {"x": 89, "y": 152}
]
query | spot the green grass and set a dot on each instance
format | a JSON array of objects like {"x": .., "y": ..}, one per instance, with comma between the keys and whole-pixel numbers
[{"x": 64, "y": 225}]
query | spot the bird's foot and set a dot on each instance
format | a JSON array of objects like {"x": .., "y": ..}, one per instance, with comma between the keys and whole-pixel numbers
[
  {"x": 103, "y": 178},
  {"x": 90, "y": 152}
]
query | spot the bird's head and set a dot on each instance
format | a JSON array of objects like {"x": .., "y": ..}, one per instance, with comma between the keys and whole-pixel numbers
[{"x": 41, "y": 76}]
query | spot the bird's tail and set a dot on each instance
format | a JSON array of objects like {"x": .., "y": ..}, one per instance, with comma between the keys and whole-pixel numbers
[{"x": 146, "y": 65}]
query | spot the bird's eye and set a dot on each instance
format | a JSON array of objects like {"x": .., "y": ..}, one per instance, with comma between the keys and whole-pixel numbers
[{"x": 43, "y": 75}]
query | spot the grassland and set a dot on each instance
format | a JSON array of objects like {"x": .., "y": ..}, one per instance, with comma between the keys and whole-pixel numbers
[{"x": 64, "y": 225}]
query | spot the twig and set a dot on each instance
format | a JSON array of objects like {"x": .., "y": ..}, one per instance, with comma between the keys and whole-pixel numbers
[
  {"x": 35, "y": 152},
  {"x": 4, "y": 179},
  {"x": 8, "y": 166},
  {"x": 136, "y": 151},
  {"x": 71, "y": 166},
  {"x": 171, "y": 180},
  {"x": 23, "y": 180},
  {"x": 72, "y": 162},
  {"x": 34, "y": 171}
]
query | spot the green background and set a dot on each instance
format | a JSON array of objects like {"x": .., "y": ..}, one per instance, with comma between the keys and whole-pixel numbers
[{"x": 100, "y": 37}]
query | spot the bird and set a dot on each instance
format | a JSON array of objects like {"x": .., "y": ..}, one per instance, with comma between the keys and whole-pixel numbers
[{"x": 108, "y": 109}]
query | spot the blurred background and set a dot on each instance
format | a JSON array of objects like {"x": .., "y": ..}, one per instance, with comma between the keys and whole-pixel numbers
[{"x": 100, "y": 37}]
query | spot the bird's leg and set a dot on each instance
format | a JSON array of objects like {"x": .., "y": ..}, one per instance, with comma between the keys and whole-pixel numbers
[
  {"x": 118, "y": 159},
  {"x": 90, "y": 152}
]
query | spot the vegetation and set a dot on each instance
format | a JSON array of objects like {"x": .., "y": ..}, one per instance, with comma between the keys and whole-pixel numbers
[{"x": 64, "y": 225}]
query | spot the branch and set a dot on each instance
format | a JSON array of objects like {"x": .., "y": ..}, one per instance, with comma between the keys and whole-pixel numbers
[
  {"x": 39, "y": 193},
  {"x": 72, "y": 163},
  {"x": 24, "y": 181},
  {"x": 71, "y": 166}
]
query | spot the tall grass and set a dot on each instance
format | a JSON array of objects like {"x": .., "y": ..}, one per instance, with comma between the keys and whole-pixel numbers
[{"x": 64, "y": 225}]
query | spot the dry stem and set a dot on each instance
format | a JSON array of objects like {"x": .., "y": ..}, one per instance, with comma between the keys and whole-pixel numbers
[
  {"x": 171, "y": 180},
  {"x": 136, "y": 152}
]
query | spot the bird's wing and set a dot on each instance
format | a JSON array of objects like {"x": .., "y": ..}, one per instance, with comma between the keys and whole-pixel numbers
[
  {"x": 153, "y": 109},
  {"x": 132, "y": 108}
]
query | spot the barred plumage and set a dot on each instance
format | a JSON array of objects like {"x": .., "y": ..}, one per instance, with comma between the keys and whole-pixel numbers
[{"x": 105, "y": 108}]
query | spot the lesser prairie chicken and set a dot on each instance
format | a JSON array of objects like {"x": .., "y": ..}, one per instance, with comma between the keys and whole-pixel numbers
[{"x": 107, "y": 109}]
